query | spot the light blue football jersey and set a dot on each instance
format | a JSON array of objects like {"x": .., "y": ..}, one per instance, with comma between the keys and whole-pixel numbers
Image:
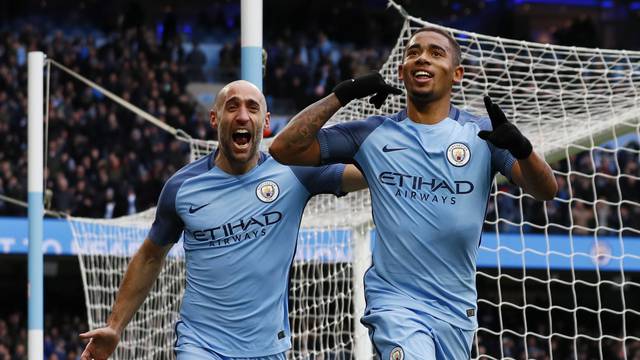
[
  {"x": 429, "y": 189},
  {"x": 240, "y": 234}
]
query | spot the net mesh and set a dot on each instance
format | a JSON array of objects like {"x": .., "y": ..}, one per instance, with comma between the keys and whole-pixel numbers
[
  {"x": 555, "y": 279},
  {"x": 106, "y": 246}
]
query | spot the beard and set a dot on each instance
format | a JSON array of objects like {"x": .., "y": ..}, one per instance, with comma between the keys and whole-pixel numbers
[{"x": 422, "y": 97}]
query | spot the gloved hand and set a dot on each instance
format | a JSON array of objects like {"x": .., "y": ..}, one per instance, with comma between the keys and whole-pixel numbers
[
  {"x": 505, "y": 135},
  {"x": 364, "y": 86}
]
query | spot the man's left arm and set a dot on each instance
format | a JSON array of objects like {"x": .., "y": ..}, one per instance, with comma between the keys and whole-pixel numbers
[
  {"x": 337, "y": 179},
  {"x": 529, "y": 171},
  {"x": 535, "y": 177},
  {"x": 352, "y": 179}
]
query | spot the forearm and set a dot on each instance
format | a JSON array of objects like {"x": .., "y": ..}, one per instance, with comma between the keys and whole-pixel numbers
[
  {"x": 300, "y": 134},
  {"x": 140, "y": 276},
  {"x": 537, "y": 177}
]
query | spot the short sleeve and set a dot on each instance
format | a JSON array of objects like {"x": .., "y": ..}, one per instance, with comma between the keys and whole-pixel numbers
[
  {"x": 322, "y": 179},
  {"x": 341, "y": 142},
  {"x": 167, "y": 226}
]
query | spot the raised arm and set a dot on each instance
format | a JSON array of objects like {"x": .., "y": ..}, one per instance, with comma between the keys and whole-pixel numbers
[
  {"x": 530, "y": 171},
  {"x": 297, "y": 144},
  {"x": 140, "y": 276},
  {"x": 535, "y": 177}
]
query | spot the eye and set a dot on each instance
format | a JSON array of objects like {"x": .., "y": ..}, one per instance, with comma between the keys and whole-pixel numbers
[
  {"x": 437, "y": 52},
  {"x": 412, "y": 52}
]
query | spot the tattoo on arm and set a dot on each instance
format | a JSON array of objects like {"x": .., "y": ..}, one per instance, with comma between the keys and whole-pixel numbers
[{"x": 303, "y": 128}]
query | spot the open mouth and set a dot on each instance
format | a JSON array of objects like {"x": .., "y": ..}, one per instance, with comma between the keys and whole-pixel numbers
[
  {"x": 423, "y": 75},
  {"x": 241, "y": 137}
]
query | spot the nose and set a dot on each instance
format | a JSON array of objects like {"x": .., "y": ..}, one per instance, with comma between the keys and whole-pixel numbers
[
  {"x": 423, "y": 58},
  {"x": 243, "y": 115}
]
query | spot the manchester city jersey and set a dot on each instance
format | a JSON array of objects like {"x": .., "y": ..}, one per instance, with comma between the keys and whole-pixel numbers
[
  {"x": 240, "y": 234},
  {"x": 429, "y": 189}
]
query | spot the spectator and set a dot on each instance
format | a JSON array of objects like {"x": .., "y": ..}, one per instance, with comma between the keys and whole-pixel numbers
[
  {"x": 229, "y": 60},
  {"x": 195, "y": 61},
  {"x": 63, "y": 196}
]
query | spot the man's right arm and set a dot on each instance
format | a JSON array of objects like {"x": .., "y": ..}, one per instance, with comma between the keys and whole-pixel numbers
[
  {"x": 140, "y": 276},
  {"x": 141, "y": 273},
  {"x": 297, "y": 144}
]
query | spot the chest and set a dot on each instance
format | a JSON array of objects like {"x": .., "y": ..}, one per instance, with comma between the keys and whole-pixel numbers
[
  {"x": 221, "y": 204},
  {"x": 432, "y": 156}
]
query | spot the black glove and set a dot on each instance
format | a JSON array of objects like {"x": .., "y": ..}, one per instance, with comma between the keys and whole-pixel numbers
[
  {"x": 505, "y": 135},
  {"x": 364, "y": 86}
]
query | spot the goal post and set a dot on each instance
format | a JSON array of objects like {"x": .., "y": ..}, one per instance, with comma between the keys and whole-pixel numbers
[
  {"x": 35, "y": 182},
  {"x": 558, "y": 278}
]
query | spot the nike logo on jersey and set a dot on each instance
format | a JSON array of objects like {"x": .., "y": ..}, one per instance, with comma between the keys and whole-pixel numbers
[
  {"x": 386, "y": 148},
  {"x": 192, "y": 209}
]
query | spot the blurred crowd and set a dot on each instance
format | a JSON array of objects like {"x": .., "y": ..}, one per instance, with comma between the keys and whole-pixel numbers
[
  {"x": 538, "y": 348},
  {"x": 61, "y": 340},
  {"x": 304, "y": 68},
  {"x": 103, "y": 161},
  {"x": 598, "y": 193}
]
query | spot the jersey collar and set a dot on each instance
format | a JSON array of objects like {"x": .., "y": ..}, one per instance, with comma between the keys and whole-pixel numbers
[
  {"x": 212, "y": 158},
  {"x": 454, "y": 114}
]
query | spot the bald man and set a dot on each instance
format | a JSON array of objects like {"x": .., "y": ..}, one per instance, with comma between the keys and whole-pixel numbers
[{"x": 239, "y": 211}]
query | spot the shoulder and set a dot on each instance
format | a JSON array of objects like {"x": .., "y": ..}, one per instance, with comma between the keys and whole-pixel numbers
[
  {"x": 378, "y": 120},
  {"x": 464, "y": 117},
  {"x": 189, "y": 171},
  {"x": 300, "y": 172},
  {"x": 366, "y": 126},
  {"x": 271, "y": 168},
  {"x": 374, "y": 121}
]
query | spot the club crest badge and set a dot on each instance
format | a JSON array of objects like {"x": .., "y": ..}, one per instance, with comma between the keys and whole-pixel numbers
[
  {"x": 267, "y": 191},
  {"x": 458, "y": 154},
  {"x": 396, "y": 354}
]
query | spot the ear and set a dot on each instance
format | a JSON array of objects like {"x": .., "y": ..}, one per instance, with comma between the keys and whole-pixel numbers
[
  {"x": 213, "y": 118},
  {"x": 267, "y": 120},
  {"x": 400, "y": 67},
  {"x": 458, "y": 74}
]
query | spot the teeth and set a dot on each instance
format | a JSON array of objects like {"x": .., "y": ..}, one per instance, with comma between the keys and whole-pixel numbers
[
  {"x": 241, "y": 131},
  {"x": 423, "y": 73}
]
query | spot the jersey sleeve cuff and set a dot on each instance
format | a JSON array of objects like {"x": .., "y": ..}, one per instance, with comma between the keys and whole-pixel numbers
[
  {"x": 508, "y": 168},
  {"x": 154, "y": 237},
  {"x": 324, "y": 146},
  {"x": 161, "y": 236},
  {"x": 339, "y": 173}
]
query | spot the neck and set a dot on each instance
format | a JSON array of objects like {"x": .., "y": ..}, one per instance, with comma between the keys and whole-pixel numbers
[
  {"x": 428, "y": 112},
  {"x": 235, "y": 167}
]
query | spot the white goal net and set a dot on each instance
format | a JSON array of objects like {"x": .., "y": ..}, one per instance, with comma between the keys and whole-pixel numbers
[{"x": 555, "y": 280}]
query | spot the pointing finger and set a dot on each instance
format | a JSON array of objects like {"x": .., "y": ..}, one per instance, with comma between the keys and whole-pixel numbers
[{"x": 484, "y": 135}]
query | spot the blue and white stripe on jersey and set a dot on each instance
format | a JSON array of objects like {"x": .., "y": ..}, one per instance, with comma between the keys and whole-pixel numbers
[
  {"x": 240, "y": 234},
  {"x": 429, "y": 188}
]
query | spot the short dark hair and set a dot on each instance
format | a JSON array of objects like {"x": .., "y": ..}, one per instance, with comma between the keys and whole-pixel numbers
[{"x": 457, "y": 52}]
